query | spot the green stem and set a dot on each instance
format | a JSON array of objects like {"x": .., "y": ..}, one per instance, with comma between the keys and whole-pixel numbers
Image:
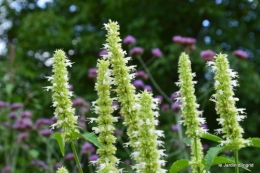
[
  {"x": 76, "y": 156},
  {"x": 236, "y": 161},
  {"x": 153, "y": 81},
  {"x": 196, "y": 152}
]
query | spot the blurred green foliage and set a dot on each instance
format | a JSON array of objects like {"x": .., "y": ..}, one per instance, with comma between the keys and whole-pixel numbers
[{"x": 76, "y": 27}]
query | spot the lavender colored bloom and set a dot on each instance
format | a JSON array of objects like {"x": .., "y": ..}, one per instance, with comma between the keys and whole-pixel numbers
[
  {"x": 177, "y": 39},
  {"x": 39, "y": 163},
  {"x": 142, "y": 74},
  {"x": 165, "y": 107},
  {"x": 103, "y": 52},
  {"x": 3, "y": 104},
  {"x": 70, "y": 87},
  {"x": 16, "y": 106},
  {"x": 22, "y": 136},
  {"x": 115, "y": 105},
  {"x": 207, "y": 55},
  {"x": 175, "y": 95},
  {"x": 176, "y": 106},
  {"x": 204, "y": 126},
  {"x": 129, "y": 40},
  {"x": 23, "y": 124},
  {"x": 189, "y": 40},
  {"x": 175, "y": 127},
  {"x": 93, "y": 157},
  {"x": 138, "y": 83},
  {"x": 82, "y": 122},
  {"x": 6, "y": 169},
  {"x": 46, "y": 132},
  {"x": 78, "y": 101},
  {"x": 27, "y": 114},
  {"x": 157, "y": 53},
  {"x": 148, "y": 88},
  {"x": 58, "y": 165},
  {"x": 83, "y": 110},
  {"x": 127, "y": 162},
  {"x": 69, "y": 156},
  {"x": 240, "y": 54},
  {"x": 43, "y": 121},
  {"x": 92, "y": 72},
  {"x": 136, "y": 51},
  {"x": 87, "y": 148},
  {"x": 13, "y": 115}
]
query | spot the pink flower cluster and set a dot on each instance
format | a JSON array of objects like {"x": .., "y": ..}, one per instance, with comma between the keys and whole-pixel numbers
[
  {"x": 240, "y": 54},
  {"x": 187, "y": 42},
  {"x": 207, "y": 55}
]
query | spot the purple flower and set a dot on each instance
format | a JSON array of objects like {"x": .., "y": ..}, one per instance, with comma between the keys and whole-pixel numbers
[
  {"x": 136, "y": 51},
  {"x": 13, "y": 115},
  {"x": 70, "y": 87},
  {"x": 27, "y": 114},
  {"x": 69, "y": 156},
  {"x": 240, "y": 54},
  {"x": 175, "y": 127},
  {"x": 142, "y": 74},
  {"x": 87, "y": 148},
  {"x": 103, "y": 52},
  {"x": 46, "y": 132},
  {"x": 92, "y": 72},
  {"x": 16, "y": 106},
  {"x": 138, "y": 83},
  {"x": 207, "y": 55},
  {"x": 6, "y": 169},
  {"x": 58, "y": 165},
  {"x": 82, "y": 122},
  {"x": 78, "y": 101},
  {"x": 22, "y": 136},
  {"x": 175, "y": 95},
  {"x": 177, "y": 39},
  {"x": 227, "y": 152},
  {"x": 148, "y": 88},
  {"x": 157, "y": 53},
  {"x": 23, "y": 124},
  {"x": 165, "y": 107},
  {"x": 93, "y": 157},
  {"x": 129, "y": 40},
  {"x": 39, "y": 163},
  {"x": 127, "y": 162},
  {"x": 43, "y": 121},
  {"x": 204, "y": 126},
  {"x": 175, "y": 106},
  {"x": 189, "y": 40},
  {"x": 3, "y": 104}
]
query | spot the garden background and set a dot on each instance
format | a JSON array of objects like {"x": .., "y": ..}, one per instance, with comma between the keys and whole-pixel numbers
[{"x": 31, "y": 30}]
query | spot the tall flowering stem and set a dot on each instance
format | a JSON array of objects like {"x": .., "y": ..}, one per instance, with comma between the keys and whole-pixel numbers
[
  {"x": 107, "y": 161},
  {"x": 230, "y": 116},
  {"x": 190, "y": 114},
  {"x": 147, "y": 154},
  {"x": 130, "y": 105},
  {"x": 225, "y": 103},
  {"x": 61, "y": 97}
]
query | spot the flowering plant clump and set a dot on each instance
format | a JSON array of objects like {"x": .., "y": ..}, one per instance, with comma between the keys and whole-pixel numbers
[
  {"x": 190, "y": 113},
  {"x": 107, "y": 161},
  {"x": 140, "y": 111}
]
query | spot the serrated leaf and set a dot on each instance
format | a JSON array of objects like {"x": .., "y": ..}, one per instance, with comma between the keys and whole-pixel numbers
[
  {"x": 58, "y": 137},
  {"x": 211, "y": 154},
  {"x": 187, "y": 141},
  {"x": 255, "y": 142},
  {"x": 91, "y": 137},
  {"x": 179, "y": 165},
  {"x": 211, "y": 137}
]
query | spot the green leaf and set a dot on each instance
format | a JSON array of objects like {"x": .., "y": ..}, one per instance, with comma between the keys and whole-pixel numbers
[
  {"x": 187, "y": 141},
  {"x": 58, "y": 137},
  {"x": 255, "y": 142},
  {"x": 9, "y": 88},
  {"x": 211, "y": 137},
  {"x": 91, "y": 137},
  {"x": 179, "y": 165},
  {"x": 210, "y": 156}
]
